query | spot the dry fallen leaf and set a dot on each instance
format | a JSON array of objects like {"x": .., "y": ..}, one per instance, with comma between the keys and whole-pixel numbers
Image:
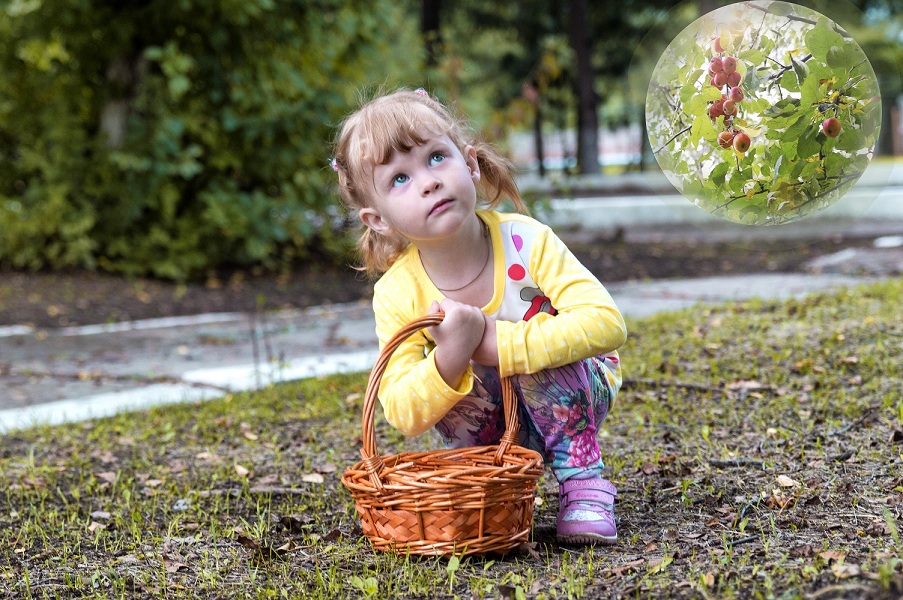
[
  {"x": 312, "y": 478},
  {"x": 786, "y": 481},
  {"x": 619, "y": 570},
  {"x": 173, "y": 566},
  {"x": 830, "y": 555},
  {"x": 288, "y": 546},
  {"x": 241, "y": 471},
  {"x": 649, "y": 468},
  {"x": 107, "y": 476},
  {"x": 268, "y": 480},
  {"x": 842, "y": 571},
  {"x": 95, "y": 526},
  {"x": 246, "y": 431},
  {"x": 658, "y": 565}
]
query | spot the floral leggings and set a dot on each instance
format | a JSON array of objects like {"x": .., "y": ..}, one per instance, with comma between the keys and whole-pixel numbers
[{"x": 560, "y": 411}]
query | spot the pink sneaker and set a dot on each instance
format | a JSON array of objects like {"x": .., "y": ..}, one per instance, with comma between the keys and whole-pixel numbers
[{"x": 586, "y": 512}]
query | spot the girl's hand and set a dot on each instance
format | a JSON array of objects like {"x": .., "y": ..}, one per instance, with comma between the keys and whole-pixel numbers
[
  {"x": 457, "y": 337},
  {"x": 487, "y": 352}
]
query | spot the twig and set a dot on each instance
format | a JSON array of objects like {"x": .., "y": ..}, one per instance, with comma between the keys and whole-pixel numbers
[
  {"x": 624, "y": 582},
  {"x": 670, "y": 427},
  {"x": 269, "y": 489},
  {"x": 748, "y": 505},
  {"x": 837, "y": 27},
  {"x": 857, "y": 423},
  {"x": 745, "y": 540},
  {"x": 844, "y": 181},
  {"x": 738, "y": 462},
  {"x": 785, "y": 68},
  {"x": 665, "y": 383},
  {"x": 673, "y": 137},
  {"x": 841, "y": 591}
]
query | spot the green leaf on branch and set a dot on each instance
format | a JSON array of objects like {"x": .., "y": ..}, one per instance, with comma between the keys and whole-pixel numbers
[
  {"x": 850, "y": 140},
  {"x": 836, "y": 58},
  {"x": 697, "y": 104},
  {"x": 808, "y": 144},
  {"x": 821, "y": 38},
  {"x": 718, "y": 173},
  {"x": 753, "y": 56},
  {"x": 701, "y": 128},
  {"x": 808, "y": 91},
  {"x": 809, "y": 170},
  {"x": 797, "y": 124},
  {"x": 798, "y": 166},
  {"x": 790, "y": 82},
  {"x": 800, "y": 68},
  {"x": 783, "y": 107},
  {"x": 834, "y": 164}
]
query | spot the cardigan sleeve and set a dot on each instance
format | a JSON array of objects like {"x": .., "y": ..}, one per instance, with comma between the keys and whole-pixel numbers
[
  {"x": 587, "y": 323},
  {"x": 413, "y": 394}
]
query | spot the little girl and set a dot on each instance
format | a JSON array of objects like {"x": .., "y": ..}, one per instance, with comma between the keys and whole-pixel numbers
[{"x": 517, "y": 303}]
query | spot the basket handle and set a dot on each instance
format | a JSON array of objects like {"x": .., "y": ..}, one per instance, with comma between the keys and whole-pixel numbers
[{"x": 372, "y": 461}]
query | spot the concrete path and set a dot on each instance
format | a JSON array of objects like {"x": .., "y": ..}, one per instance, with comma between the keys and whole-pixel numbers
[
  {"x": 87, "y": 372},
  {"x": 150, "y": 363}
]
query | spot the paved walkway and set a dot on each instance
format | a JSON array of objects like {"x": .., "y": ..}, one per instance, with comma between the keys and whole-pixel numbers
[{"x": 86, "y": 372}]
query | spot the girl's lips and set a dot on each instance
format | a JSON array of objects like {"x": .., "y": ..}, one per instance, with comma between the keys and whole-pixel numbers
[{"x": 438, "y": 207}]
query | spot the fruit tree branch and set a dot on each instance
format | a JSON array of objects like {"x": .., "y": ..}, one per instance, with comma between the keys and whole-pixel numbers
[
  {"x": 673, "y": 137},
  {"x": 800, "y": 19}
]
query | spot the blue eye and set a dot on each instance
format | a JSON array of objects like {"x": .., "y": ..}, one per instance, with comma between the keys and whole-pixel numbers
[
  {"x": 436, "y": 158},
  {"x": 399, "y": 179}
]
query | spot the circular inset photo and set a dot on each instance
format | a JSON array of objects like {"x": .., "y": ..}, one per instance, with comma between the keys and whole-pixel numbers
[{"x": 763, "y": 113}]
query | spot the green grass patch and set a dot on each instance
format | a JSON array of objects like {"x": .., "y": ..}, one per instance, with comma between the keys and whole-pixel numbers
[{"x": 756, "y": 447}]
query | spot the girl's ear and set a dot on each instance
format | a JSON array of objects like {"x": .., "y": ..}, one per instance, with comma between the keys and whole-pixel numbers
[
  {"x": 374, "y": 221},
  {"x": 470, "y": 159}
]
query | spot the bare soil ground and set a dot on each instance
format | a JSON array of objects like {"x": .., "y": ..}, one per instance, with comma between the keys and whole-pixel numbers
[{"x": 81, "y": 298}]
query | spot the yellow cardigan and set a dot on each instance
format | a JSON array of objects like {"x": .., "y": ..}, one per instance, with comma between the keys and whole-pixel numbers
[{"x": 549, "y": 309}]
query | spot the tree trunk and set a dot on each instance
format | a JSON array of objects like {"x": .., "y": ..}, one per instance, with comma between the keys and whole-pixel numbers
[
  {"x": 587, "y": 101},
  {"x": 429, "y": 26},
  {"x": 537, "y": 139}
]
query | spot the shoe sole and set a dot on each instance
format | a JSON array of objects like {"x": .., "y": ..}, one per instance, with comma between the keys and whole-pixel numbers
[{"x": 587, "y": 538}]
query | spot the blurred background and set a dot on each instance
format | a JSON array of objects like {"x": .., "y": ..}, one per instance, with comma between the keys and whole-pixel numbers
[{"x": 175, "y": 138}]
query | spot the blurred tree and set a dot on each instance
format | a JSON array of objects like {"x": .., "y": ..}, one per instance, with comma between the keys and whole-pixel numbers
[
  {"x": 430, "y": 20},
  {"x": 587, "y": 99},
  {"x": 172, "y": 137},
  {"x": 566, "y": 51}
]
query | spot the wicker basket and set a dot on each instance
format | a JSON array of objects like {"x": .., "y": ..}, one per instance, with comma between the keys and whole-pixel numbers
[{"x": 462, "y": 501}]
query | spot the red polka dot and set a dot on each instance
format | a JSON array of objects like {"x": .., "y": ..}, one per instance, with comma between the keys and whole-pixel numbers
[{"x": 516, "y": 272}]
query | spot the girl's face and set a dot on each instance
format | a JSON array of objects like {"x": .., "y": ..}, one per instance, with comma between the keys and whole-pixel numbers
[{"x": 425, "y": 194}]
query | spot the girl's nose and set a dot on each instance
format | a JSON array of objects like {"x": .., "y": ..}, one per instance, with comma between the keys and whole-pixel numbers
[{"x": 431, "y": 183}]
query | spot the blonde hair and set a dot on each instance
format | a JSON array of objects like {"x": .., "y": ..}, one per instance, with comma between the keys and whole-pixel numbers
[{"x": 398, "y": 122}]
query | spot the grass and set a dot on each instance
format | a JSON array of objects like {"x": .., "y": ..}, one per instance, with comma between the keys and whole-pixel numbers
[{"x": 756, "y": 447}]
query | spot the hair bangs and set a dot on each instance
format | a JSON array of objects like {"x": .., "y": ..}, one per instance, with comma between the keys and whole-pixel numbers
[{"x": 399, "y": 126}]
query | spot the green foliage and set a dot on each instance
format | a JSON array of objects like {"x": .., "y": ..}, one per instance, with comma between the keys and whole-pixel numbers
[
  {"x": 798, "y": 69},
  {"x": 190, "y": 135}
]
